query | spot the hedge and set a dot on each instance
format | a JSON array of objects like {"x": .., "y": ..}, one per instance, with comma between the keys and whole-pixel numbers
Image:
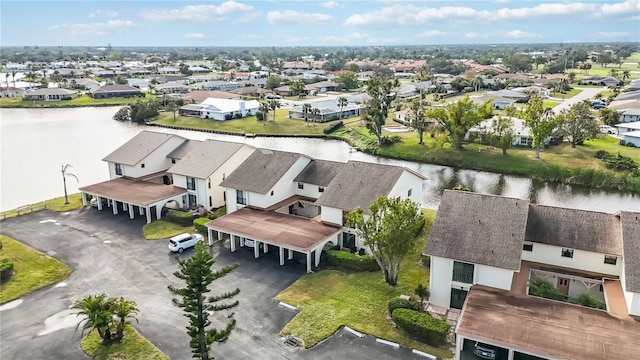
[
  {"x": 182, "y": 218},
  {"x": 6, "y": 269},
  {"x": 353, "y": 262},
  {"x": 422, "y": 326},
  {"x": 399, "y": 303},
  {"x": 199, "y": 224},
  {"x": 333, "y": 127}
]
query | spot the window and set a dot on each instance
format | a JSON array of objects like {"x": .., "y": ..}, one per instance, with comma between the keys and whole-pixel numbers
[
  {"x": 300, "y": 185},
  {"x": 271, "y": 192},
  {"x": 320, "y": 189},
  {"x": 240, "y": 197},
  {"x": 210, "y": 202},
  {"x": 527, "y": 247},
  {"x": 193, "y": 201},
  {"x": 173, "y": 161},
  {"x": 142, "y": 166},
  {"x": 567, "y": 252},
  {"x": 462, "y": 272},
  {"x": 409, "y": 192},
  {"x": 611, "y": 260},
  {"x": 209, "y": 183},
  {"x": 118, "y": 169},
  {"x": 224, "y": 196},
  {"x": 191, "y": 183}
]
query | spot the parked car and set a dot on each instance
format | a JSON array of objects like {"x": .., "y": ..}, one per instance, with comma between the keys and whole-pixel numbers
[
  {"x": 485, "y": 351},
  {"x": 184, "y": 241},
  {"x": 272, "y": 97},
  {"x": 606, "y": 129},
  {"x": 597, "y": 104}
]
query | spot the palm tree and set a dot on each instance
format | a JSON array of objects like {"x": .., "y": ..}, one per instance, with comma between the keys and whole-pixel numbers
[
  {"x": 97, "y": 315},
  {"x": 274, "y": 105},
  {"x": 64, "y": 181},
  {"x": 265, "y": 108},
  {"x": 613, "y": 73},
  {"x": 626, "y": 75},
  {"x": 477, "y": 83},
  {"x": 13, "y": 76},
  {"x": 6, "y": 78},
  {"x": 316, "y": 113},
  {"x": 123, "y": 309},
  {"x": 572, "y": 76},
  {"x": 306, "y": 109},
  {"x": 342, "y": 102}
]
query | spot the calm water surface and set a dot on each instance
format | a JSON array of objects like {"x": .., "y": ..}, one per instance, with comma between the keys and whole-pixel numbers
[{"x": 35, "y": 143}]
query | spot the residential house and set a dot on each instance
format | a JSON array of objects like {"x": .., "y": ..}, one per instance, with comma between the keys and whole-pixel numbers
[
  {"x": 51, "y": 94},
  {"x": 329, "y": 111},
  {"x": 200, "y": 166},
  {"x": 199, "y": 96},
  {"x": 249, "y": 91},
  {"x": 628, "y": 127},
  {"x": 284, "y": 90},
  {"x": 171, "y": 88},
  {"x": 403, "y": 116},
  {"x": 295, "y": 203},
  {"x": 540, "y": 91},
  {"x": 522, "y": 134},
  {"x": 630, "y": 115},
  {"x": 321, "y": 87},
  {"x": 11, "y": 92},
  {"x": 221, "y": 109},
  {"x": 406, "y": 90},
  {"x": 631, "y": 137},
  {"x": 498, "y": 103},
  {"x": 116, "y": 91},
  {"x": 600, "y": 80},
  {"x": 84, "y": 84},
  {"x": 634, "y": 85},
  {"x": 217, "y": 85},
  {"x": 484, "y": 263}
]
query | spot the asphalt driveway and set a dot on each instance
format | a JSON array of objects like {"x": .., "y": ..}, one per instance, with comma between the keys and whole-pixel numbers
[{"x": 108, "y": 254}]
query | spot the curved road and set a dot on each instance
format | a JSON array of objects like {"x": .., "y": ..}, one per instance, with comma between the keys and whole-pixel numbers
[{"x": 585, "y": 94}]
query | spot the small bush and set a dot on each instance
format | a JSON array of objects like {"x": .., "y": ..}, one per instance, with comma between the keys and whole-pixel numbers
[
  {"x": 200, "y": 223},
  {"x": 182, "y": 218},
  {"x": 333, "y": 127},
  {"x": 620, "y": 163},
  {"x": 221, "y": 211},
  {"x": 353, "y": 262},
  {"x": 260, "y": 116},
  {"x": 399, "y": 303},
  {"x": 6, "y": 269},
  {"x": 601, "y": 154},
  {"x": 629, "y": 145},
  {"x": 426, "y": 260},
  {"x": 422, "y": 326},
  {"x": 590, "y": 301},
  {"x": 391, "y": 139}
]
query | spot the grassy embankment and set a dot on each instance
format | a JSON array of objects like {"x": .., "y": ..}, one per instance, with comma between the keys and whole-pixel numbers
[
  {"x": 329, "y": 299},
  {"x": 32, "y": 270},
  {"x": 80, "y": 101},
  {"x": 56, "y": 204},
  {"x": 133, "y": 347}
]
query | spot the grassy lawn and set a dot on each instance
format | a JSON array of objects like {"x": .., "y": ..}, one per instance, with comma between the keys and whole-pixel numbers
[
  {"x": 83, "y": 100},
  {"x": 549, "y": 103},
  {"x": 161, "y": 229},
  {"x": 249, "y": 125},
  {"x": 32, "y": 270},
  {"x": 56, "y": 204},
  {"x": 330, "y": 299},
  {"x": 133, "y": 347},
  {"x": 567, "y": 94}
]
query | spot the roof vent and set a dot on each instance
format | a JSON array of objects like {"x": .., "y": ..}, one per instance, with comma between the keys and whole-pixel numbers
[{"x": 478, "y": 221}]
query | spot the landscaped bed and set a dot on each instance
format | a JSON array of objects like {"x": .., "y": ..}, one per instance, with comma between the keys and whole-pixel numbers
[
  {"x": 133, "y": 347},
  {"x": 330, "y": 299},
  {"x": 32, "y": 270}
]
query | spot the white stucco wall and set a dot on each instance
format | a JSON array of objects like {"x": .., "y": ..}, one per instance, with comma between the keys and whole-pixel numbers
[
  {"x": 408, "y": 181},
  {"x": 309, "y": 190},
  {"x": 492, "y": 276},
  {"x": 155, "y": 162},
  {"x": 440, "y": 281},
  {"x": 582, "y": 260},
  {"x": 216, "y": 191},
  {"x": 332, "y": 215},
  {"x": 200, "y": 191}
]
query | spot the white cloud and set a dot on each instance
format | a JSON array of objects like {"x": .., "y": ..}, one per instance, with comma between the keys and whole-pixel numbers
[
  {"x": 627, "y": 7},
  {"x": 248, "y": 17},
  {"x": 344, "y": 39},
  {"x": 519, "y": 34},
  {"x": 103, "y": 13},
  {"x": 251, "y": 37},
  {"x": 610, "y": 35},
  {"x": 100, "y": 29},
  {"x": 572, "y": 9},
  {"x": 196, "y": 13},
  {"x": 433, "y": 33},
  {"x": 296, "y": 17},
  {"x": 194, "y": 36},
  {"x": 475, "y": 35},
  {"x": 403, "y": 14},
  {"x": 330, "y": 4}
]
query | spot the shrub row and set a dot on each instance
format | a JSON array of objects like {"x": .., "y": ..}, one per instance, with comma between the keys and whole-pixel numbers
[
  {"x": 422, "y": 326},
  {"x": 333, "y": 127},
  {"x": 200, "y": 223},
  {"x": 353, "y": 262},
  {"x": 399, "y": 303},
  {"x": 6, "y": 269},
  {"x": 182, "y": 218},
  {"x": 616, "y": 163}
]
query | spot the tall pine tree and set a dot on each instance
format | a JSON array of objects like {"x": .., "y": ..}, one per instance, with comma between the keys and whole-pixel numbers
[{"x": 198, "y": 275}]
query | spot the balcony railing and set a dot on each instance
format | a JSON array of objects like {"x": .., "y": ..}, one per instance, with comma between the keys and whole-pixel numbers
[{"x": 463, "y": 277}]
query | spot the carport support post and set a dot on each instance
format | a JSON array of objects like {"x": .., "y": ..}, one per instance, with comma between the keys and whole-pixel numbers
[
  {"x": 232, "y": 240},
  {"x": 281, "y": 251},
  {"x": 148, "y": 211},
  {"x": 131, "y": 214},
  {"x": 84, "y": 199},
  {"x": 511, "y": 352},
  {"x": 99, "y": 202},
  {"x": 210, "y": 236},
  {"x": 266, "y": 248},
  {"x": 256, "y": 249},
  {"x": 289, "y": 254},
  {"x": 309, "y": 262},
  {"x": 158, "y": 212},
  {"x": 459, "y": 344},
  {"x": 115, "y": 208},
  {"x": 318, "y": 252},
  {"x": 141, "y": 210}
]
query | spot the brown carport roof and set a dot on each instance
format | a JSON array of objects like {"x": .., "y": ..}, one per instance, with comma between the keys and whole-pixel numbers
[
  {"x": 133, "y": 191},
  {"x": 546, "y": 328},
  {"x": 274, "y": 228}
]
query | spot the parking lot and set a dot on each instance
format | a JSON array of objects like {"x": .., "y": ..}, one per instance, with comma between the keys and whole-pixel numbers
[{"x": 109, "y": 254}]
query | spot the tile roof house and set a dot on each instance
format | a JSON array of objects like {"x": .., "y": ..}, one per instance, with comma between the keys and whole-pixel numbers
[
  {"x": 51, "y": 94},
  {"x": 488, "y": 251}
]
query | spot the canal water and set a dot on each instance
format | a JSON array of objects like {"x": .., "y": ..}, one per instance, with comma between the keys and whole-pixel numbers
[{"x": 35, "y": 143}]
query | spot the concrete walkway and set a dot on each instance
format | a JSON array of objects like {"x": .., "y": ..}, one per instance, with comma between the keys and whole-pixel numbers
[{"x": 585, "y": 94}]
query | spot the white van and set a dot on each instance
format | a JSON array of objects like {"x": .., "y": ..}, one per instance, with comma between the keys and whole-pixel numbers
[{"x": 184, "y": 241}]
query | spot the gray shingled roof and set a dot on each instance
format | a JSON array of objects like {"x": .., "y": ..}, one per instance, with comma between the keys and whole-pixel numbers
[
  {"x": 479, "y": 229},
  {"x": 182, "y": 150},
  {"x": 575, "y": 229},
  {"x": 136, "y": 149},
  {"x": 261, "y": 171},
  {"x": 358, "y": 184},
  {"x": 631, "y": 235},
  {"x": 319, "y": 172},
  {"x": 205, "y": 158}
]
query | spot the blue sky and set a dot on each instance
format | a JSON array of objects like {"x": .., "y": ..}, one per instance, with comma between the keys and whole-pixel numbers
[{"x": 298, "y": 23}]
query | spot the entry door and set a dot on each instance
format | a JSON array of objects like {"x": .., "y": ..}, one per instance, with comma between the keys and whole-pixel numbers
[
  {"x": 349, "y": 241},
  {"x": 458, "y": 297},
  {"x": 563, "y": 286}
]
